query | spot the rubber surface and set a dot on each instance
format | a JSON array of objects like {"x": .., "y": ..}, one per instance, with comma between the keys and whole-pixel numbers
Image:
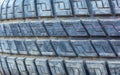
[
  {"x": 59, "y": 37},
  {"x": 13, "y": 9},
  {"x": 73, "y": 48},
  {"x": 40, "y": 66},
  {"x": 62, "y": 28}
]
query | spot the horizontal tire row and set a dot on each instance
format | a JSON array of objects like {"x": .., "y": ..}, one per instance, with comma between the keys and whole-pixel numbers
[
  {"x": 67, "y": 48},
  {"x": 37, "y": 66},
  {"x": 64, "y": 28},
  {"x": 13, "y": 9}
]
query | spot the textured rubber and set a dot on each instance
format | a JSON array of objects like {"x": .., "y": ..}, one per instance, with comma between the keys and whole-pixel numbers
[
  {"x": 59, "y": 37},
  {"x": 70, "y": 48},
  {"x": 40, "y": 66},
  {"x": 65, "y": 28},
  {"x": 13, "y": 9}
]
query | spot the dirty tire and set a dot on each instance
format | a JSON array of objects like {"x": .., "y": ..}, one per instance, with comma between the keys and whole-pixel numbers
[{"x": 59, "y": 37}]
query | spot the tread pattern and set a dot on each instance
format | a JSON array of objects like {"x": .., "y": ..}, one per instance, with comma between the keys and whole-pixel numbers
[
  {"x": 57, "y": 37},
  {"x": 37, "y": 66},
  {"x": 13, "y": 9},
  {"x": 69, "y": 48},
  {"x": 66, "y": 28}
]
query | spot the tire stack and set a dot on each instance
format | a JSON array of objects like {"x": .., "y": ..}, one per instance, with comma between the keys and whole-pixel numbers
[{"x": 59, "y": 37}]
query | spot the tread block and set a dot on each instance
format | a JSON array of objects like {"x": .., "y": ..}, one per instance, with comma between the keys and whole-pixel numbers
[
  {"x": 12, "y": 66},
  {"x": 21, "y": 66},
  {"x": 18, "y": 7},
  {"x": 114, "y": 67},
  {"x": 80, "y": 7},
  {"x": 2, "y": 30},
  {"x": 31, "y": 66},
  {"x": 55, "y": 29},
  {"x": 15, "y": 29},
  {"x": 83, "y": 48},
  {"x": 96, "y": 68},
  {"x": 31, "y": 47},
  {"x": 62, "y": 7},
  {"x": 63, "y": 48},
  {"x": 38, "y": 29},
  {"x": 25, "y": 29},
  {"x": 8, "y": 30},
  {"x": 45, "y": 47},
  {"x": 100, "y": 7},
  {"x": 1, "y": 49},
  {"x": 44, "y": 8},
  {"x": 1, "y": 69},
  {"x": 57, "y": 67},
  {"x": 10, "y": 9},
  {"x": 75, "y": 67},
  {"x": 29, "y": 8},
  {"x": 4, "y": 10},
  {"x": 12, "y": 46},
  {"x": 5, "y": 46},
  {"x": 93, "y": 27},
  {"x": 1, "y": 2},
  {"x": 116, "y": 5},
  {"x": 42, "y": 67},
  {"x": 112, "y": 27},
  {"x": 74, "y": 28},
  {"x": 5, "y": 65},
  {"x": 103, "y": 48},
  {"x": 20, "y": 46},
  {"x": 116, "y": 46}
]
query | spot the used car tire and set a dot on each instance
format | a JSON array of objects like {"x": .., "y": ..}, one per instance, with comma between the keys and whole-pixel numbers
[{"x": 59, "y": 37}]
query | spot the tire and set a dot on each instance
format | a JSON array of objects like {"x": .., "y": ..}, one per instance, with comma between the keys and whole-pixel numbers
[{"x": 59, "y": 37}]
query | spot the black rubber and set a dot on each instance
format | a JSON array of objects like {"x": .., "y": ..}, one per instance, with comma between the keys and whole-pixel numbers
[
  {"x": 59, "y": 37},
  {"x": 16, "y": 9},
  {"x": 54, "y": 66}
]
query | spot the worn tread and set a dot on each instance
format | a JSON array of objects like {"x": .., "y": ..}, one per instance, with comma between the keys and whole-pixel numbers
[
  {"x": 67, "y": 48},
  {"x": 14, "y": 9},
  {"x": 62, "y": 28},
  {"x": 38, "y": 66},
  {"x": 59, "y": 37}
]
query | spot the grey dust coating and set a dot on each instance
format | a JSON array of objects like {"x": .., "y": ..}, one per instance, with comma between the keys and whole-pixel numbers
[
  {"x": 33, "y": 66},
  {"x": 13, "y": 9},
  {"x": 59, "y": 37},
  {"x": 68, "y": 48},
  {"x": 62, "y": 28}
]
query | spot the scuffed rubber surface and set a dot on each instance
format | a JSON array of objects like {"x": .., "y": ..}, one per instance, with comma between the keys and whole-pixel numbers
[
  {"x": 63, "y": 28},
  {"x": 40, "y": 66},
  {"x": 71, "y": 38},
  {"x": 59, "y": 37},
  {"x": 70, "y": 48},
  {"x": 14, "y": 9}
]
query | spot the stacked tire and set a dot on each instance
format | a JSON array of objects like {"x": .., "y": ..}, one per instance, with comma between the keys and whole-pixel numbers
[{"x": 59, "y": 37}]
